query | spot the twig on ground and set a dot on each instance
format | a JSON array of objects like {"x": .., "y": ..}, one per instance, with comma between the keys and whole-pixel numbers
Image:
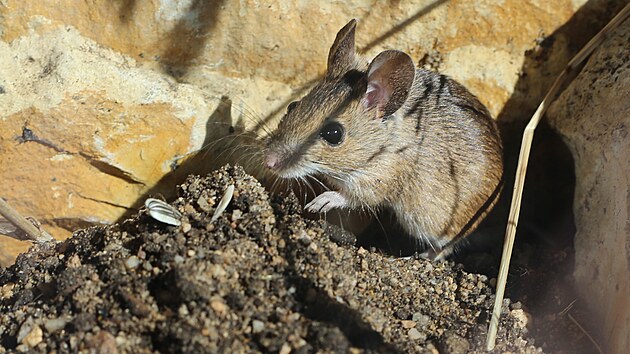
[
  {"x": 599, "y": 349},
  {"x": 31, "y": 231},
  {"x": 568, "y": 308}
]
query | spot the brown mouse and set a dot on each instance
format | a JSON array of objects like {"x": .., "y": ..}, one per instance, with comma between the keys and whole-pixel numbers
[{"x": 385, "y": 134}]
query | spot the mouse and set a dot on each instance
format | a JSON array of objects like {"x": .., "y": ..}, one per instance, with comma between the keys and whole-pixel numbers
[{"x": 385, "y": 134}]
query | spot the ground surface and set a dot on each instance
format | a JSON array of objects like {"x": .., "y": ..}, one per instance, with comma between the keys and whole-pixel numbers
[{"x": 258, "y": 279}]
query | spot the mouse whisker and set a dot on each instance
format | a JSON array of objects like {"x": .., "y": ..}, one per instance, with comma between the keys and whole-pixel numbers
[
  {"x": 308, "y": 184},
  {"x": 213, "y": 143},
  {"x": 245, "y": 111},
  {"x": 255, "y": 118},
  {"x": 319, "y": 182}
]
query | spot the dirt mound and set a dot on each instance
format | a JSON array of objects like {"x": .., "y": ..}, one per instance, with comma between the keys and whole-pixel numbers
[{"x": 258, "y": 279}]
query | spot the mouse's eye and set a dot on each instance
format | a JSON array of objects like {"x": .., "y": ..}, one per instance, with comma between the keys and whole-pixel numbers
[
  {"x": 291, "y": 106},
  {"x": 332, "y": 133}
]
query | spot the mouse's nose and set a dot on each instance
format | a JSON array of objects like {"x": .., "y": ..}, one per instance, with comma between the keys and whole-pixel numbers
[{"x": 272, "y": 161}]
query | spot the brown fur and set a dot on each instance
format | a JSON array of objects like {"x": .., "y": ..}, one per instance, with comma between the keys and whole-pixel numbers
[{"x": 430, "y": 151}]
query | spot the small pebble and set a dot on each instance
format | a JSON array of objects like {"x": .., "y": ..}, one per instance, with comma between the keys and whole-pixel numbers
[
  {"x": 364, "y": 265},
  {"x": 132, "y": 262},
  {"x": 189, "y": 209},
  {"x": 408, "y": 324},
  {"x": 522, "y": 318},
  {"x": 34, "y": 337},
  {"x": 394, "y": 282},
  {"x": 432, "y": 349},
  {"x": 182, "y": 311},
  {"x": 25, "y": 329},
  {"x": 7, "y": 290},
  {"x": 219, "y": 307},
  {"x": 236, "y": 214},
  {"x": 203, "y": 204},
  {"x": 456, "y": 344},
  {"x": 120, "y": 340},
  {"x": 55, "y": 324},
  {"x": 74, "y": 261},
  {"x": 304, "y": 240},
  {"x": 103, "y": 342},
  {"x": 257, "y": 326},
  {"x": 414, "y": 334},
  {"x": 286, "y": 348},
  {"x": 420, "y": 319},
  {"x": 217, "y": 271}
]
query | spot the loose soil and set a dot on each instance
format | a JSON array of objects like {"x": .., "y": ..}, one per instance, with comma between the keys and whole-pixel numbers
[{"x": 258, "y": 279}]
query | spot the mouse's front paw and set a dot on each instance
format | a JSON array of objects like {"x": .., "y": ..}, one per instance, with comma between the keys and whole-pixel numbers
[{"x": 326, "y": 201}]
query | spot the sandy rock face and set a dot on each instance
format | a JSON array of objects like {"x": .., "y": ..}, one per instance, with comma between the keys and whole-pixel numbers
[
  {"x": 593, "y": 115},
  {"x": 99, "y": 100},
  {"x": 86, "y": 131},
  {"x": 288, "y": 41}
]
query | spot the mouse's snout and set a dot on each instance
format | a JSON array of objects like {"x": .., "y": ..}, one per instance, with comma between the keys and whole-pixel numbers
[
  {"x": 272, "y": 161},
  {"x": 275, "y": 154},
  {"x": 281, "y": 160}
]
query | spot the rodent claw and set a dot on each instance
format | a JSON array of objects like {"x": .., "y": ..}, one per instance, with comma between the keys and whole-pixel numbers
[{"x": 326, "y": 202}]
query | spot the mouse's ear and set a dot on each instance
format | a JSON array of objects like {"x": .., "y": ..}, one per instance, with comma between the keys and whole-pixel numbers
[
  {"x": 390, "y": 76},
  {"x": 342, "y": 53}
]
